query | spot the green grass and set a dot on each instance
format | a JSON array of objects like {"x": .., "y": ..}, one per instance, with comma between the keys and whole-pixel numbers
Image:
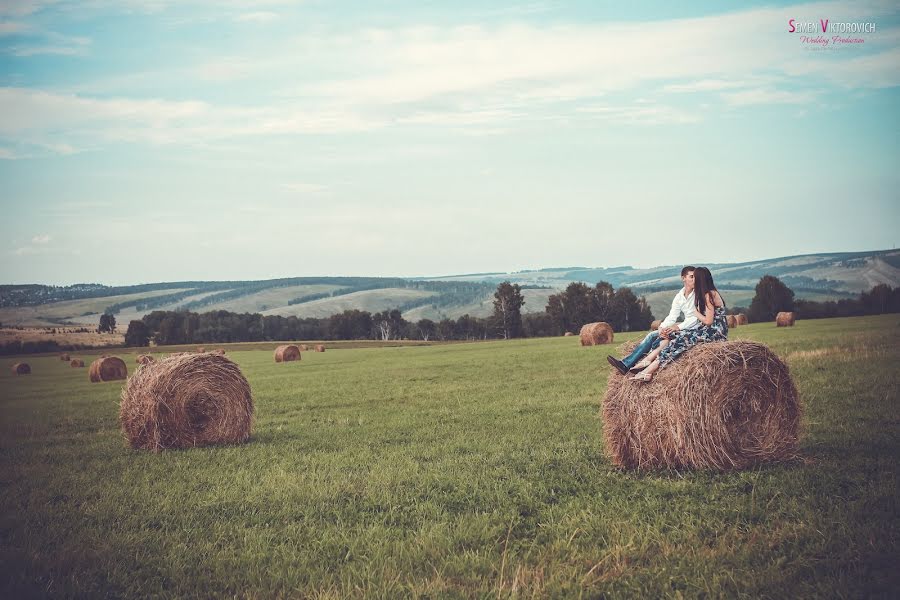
[{"x": 461, "y": 470}]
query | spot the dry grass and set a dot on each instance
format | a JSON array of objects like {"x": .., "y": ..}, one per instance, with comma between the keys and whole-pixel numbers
[
  {"x": 722, "y": 405},
  {"x": 595, "y": 334},
  {"x": 184, "y": 401},
  {"x": 21, "y": 368},
  {"x": 107, "y": 368},
  {"x": 63, "y": 336},
  {"x": 784, "y": 319},
  {"x": 287, "y": 353}
]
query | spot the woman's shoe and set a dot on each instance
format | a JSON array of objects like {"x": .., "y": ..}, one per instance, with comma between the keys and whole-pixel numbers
[{"x": 643, "y": 377}]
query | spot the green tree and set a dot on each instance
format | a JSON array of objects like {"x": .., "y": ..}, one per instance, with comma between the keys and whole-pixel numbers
[
  {"x": 107, "y": 323},
  {"x": 138, "y": 334},
  {"x": 772, "y": 297},
  {"x": 508, "y": 302},
  {"x": 427, "y": 328}
]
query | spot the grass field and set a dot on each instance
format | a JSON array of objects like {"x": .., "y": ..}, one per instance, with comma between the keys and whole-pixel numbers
[{"x": 461, "y": 470}]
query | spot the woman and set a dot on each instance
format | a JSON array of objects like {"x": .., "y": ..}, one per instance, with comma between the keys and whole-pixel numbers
[{"x": 710, "y": 310}]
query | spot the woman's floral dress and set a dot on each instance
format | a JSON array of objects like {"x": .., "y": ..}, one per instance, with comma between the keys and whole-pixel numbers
[{"x": 685, "y": 340}]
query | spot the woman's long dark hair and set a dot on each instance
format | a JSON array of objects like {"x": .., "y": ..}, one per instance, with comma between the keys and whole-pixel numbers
[{"x": 703, "y": 284}]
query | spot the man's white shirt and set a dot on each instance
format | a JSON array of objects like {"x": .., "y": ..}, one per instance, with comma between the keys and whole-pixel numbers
[{"x": 682, "y": 304}]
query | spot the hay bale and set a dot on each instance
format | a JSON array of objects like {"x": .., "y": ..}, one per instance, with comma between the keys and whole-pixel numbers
[
  {"x": 184, "y": 401},
  {"x": 219, "y": 351},
  {"x": 732, "y": 321},
  {"x": 21, "y": 369},
  {"x": 304, "y": 348},
  {"x": 64, "y": 357},
  {"x": 201, "y": 349},
  {"x": 741, "y": 319},
  {"x": 784, "y": 319},
  {"x": 76, "y": 363},
  {"x": 143, "y": 359},
  {"x": 320, "y": 347},
  {"x": 109, "y": 368},
  {"x": 655, "y": 325},
  {"x": 594, "y": 334},
  {"x": 287, "y": 353},
  {"x": 721, "y": 405},
  {"x": 568, "y": 334}
]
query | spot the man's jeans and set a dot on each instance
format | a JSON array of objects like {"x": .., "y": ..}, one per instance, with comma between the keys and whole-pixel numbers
[{"x": 648, "y": 344}]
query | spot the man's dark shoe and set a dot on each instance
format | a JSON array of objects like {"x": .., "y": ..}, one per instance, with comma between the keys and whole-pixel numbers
[{"x": 618, "y": 364}]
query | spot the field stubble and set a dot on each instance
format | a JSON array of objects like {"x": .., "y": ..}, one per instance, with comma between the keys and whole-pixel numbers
[{"x": 451, "y": 471}]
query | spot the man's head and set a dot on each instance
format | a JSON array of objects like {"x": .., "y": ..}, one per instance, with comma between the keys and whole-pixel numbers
[{"x": 687, "y": 278}]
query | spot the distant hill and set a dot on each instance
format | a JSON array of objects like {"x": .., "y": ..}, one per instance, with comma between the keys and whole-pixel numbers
[{"x": 813, "y": 276}]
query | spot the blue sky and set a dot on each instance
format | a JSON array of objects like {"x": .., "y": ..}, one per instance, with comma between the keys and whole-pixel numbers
[{"x": 149, "y": 140}]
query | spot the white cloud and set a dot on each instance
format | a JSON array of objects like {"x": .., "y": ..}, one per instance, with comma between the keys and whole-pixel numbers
[
  {"x": 767, "y": 96},
  {"x": 257, "y": 17},
  {"x": 40, "y": 239},
  {"x": 479, "y": 78}
]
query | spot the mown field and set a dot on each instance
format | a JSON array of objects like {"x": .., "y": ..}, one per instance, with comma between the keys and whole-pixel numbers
[{"x": 460, "y": 470}]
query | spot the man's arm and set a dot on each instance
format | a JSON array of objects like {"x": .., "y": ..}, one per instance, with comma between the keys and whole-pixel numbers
[{"x": 673, "y": 313}]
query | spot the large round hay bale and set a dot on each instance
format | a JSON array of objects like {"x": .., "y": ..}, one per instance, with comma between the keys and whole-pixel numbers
[
  {"x": 76, "y": 363},
  {"x": 594, "y": 334},
  {"x": 287, "y": 353},
  {"x": 320, "y": 348},
  {"x": 741, "y": 319},
  {"x": 143, "y": 359},
  {"x": 732, "y": 321},
  {"x": 184, "y": 401},
  {"x": 721, "y": 405},
  {"x": 21, "y": 369},
  {"x": 64, "y": 357},
  {"x": 109, "y": 368},
  {"x": 784, "y": 319},
  {"x": 568, "y": 334},
  {"x": 655, "y": 325}
]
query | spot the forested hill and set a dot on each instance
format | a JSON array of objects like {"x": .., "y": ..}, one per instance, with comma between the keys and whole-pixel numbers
[{"x": 816, "y": 276}]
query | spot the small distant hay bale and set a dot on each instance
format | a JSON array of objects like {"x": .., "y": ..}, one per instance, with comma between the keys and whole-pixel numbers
[
  {"x": 21, "y": 369},
  {"x": 76, "y": 363},
  {"x": 655, "y": 325},
  {"x": 595, "y": 334},
  {"x": 185, "y": 401},
  {"x": 304, "y": 348},
  {"x": 741, "y": 319},
  {"x": 287, "y": 353},
  {"x": 568, "y": 334},
  {"x": 201, "y": 349},
  {"x": 320, "y": 347},
  {"x": 107, "y": 368},
  {"x": 144, "y": 359},
  {"x": 732, "y": 321},
  {"x": 721, "y": 405},
  {"x": 784, "y": 319},
  {"x": 219, "y": 351},
  {"x": 64, "y": 357}
]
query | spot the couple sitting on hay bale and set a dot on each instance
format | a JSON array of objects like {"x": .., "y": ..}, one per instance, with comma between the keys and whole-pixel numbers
[
  {"x": 723, "y": 405},
  {"x": 704, "y": 321}
]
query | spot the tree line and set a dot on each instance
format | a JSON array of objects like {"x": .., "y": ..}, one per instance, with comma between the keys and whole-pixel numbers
[{"x": 568, "y": 310}]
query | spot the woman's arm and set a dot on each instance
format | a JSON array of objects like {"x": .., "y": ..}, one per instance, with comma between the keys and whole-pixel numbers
[{"x": 710, "y": 313}]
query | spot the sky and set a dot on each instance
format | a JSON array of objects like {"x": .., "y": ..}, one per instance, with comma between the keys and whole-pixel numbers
[{"x": 157, "y": 140}]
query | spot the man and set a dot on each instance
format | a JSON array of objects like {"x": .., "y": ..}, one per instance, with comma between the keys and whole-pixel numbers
[{"x": 683, "y": 303}]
